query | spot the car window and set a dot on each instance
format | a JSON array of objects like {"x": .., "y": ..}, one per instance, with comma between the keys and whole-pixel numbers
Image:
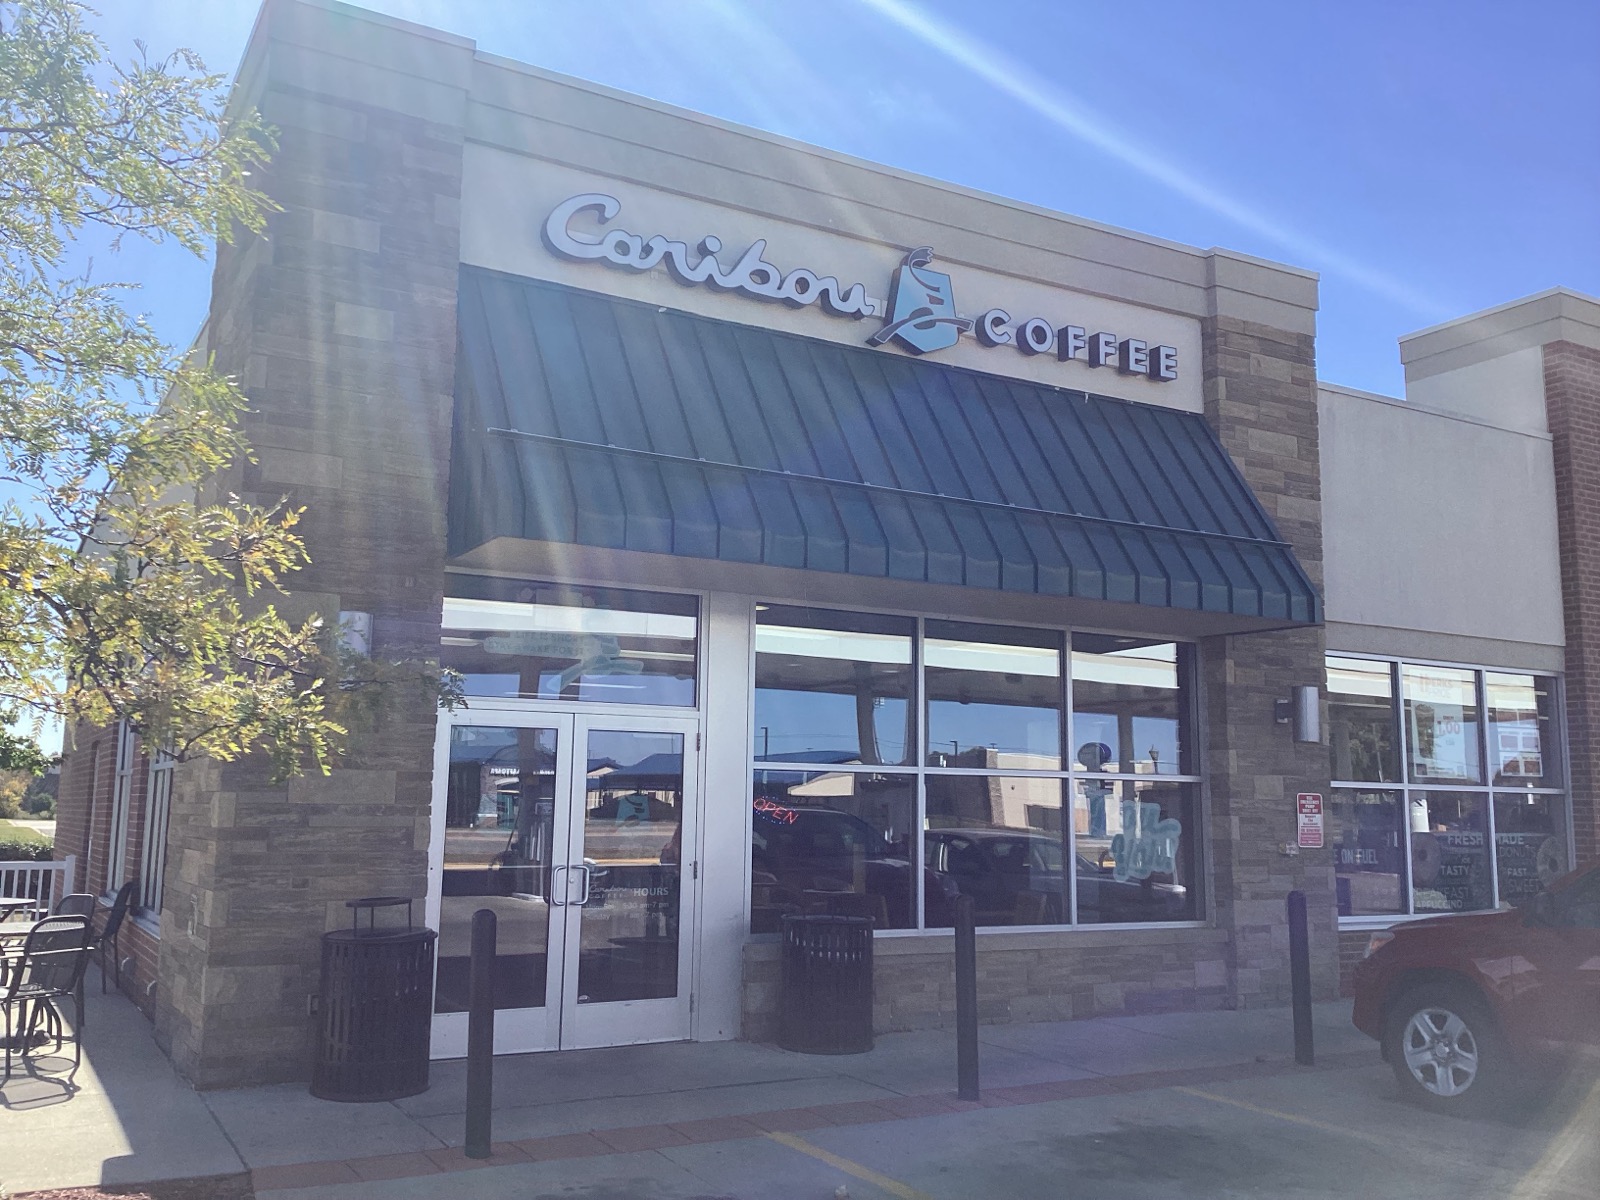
[
  {"x": 1580, "y": 907},
  {"x": 1045, "y": 856},
  {"x": 965, "y": 858}
]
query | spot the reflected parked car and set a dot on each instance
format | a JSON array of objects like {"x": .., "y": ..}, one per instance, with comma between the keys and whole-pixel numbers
[
  {"x": 1018, "y": 877},
  {"x": 815, "y": 859},
  {"x": 1469, "y": 1007}
]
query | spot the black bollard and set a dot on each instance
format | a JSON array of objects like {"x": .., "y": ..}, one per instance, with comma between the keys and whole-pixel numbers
[
  {"x": 966, "y": 1001},
  {"x": 1300, "y": 979},
  {"x": 480, "y": 1035}
]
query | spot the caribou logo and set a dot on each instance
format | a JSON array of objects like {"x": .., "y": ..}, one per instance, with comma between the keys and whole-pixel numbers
[{"x": 922, "y": 307}]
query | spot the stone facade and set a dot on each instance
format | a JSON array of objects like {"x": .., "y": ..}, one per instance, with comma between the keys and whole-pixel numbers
[
  {"x": 341, "y": 323},
  {"x": 1572, "y": 403},
  {"x": 1261, "y": 398}
]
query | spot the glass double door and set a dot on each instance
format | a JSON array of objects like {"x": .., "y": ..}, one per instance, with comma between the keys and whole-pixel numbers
[{"x": 572, "y": 830}]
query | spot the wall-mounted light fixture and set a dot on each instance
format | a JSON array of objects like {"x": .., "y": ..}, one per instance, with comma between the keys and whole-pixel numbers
[
  {"x": 1303, "y": 710},
  {"x": 355, "y": 632}
]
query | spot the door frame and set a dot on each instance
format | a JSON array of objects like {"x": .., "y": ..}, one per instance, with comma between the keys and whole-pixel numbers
[{"x": 561, "y": 1023}]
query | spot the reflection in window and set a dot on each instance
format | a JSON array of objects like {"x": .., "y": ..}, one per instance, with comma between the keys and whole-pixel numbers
[
  {"x": 1521, "y": 747},
  {"x": 1450, "y": 851},
  {"x": 1369, "y": 859},
  {"x": 1139, "y": 865},
  {"x": 1361, "y": 725},
  {"x": 999, "y": 839},
  {"x": 543, "y": 641},
  {"x": 1530, "y": 844},
  {"x": 836, "y": 842},
  {"x": 499, "y": 814},
  {"x": 1441, "y": 708},
  {"x": 1129, "y": 705},
  {"x": 832, "y": 687},
  {"x": 994, "y": 696}
]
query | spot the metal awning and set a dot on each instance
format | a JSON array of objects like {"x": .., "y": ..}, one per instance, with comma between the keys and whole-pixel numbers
[{"x": 589, "y": 420}]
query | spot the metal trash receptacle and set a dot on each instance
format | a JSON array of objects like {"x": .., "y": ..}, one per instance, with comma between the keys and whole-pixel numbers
[
  {"x": 826, "y": 1003},
  {"x": 376, "y": 1008}
]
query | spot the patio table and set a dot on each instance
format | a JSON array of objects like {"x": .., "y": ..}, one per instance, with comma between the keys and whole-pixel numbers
[{"x": 10, "y": 904}]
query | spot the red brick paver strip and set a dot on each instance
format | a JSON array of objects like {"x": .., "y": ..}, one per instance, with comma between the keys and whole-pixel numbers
[
  {"x": 788, "y": 1120},
  {"x": 858, "y": 1112},
  {"x": 641, "y": 1137},
  {"x": 301, "y": 1175},
  {"x": 717, "y": 1129},
  {"x": 393, "y": 1166},
  {"x": 563, "y": 1145},
  {"x": 454, "y": 1158},
  {"x": 907, "y": 1107}
]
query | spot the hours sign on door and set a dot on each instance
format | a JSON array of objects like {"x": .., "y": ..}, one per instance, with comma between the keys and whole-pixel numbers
[{"x": 1308, "y": 809}]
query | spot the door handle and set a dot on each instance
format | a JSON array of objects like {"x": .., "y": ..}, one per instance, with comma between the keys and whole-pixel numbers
[
  {"x": 555, "y": 874},
  {"x": 583, "y": 899}
]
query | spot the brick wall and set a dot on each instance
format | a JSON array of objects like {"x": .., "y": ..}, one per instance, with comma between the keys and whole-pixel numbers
[
  {"x": 341, "y": 323},
  {"x": 1261, "y": 398},
  {"x": 1572, "y": 404},
  {"x": 1021, "y": 977}
]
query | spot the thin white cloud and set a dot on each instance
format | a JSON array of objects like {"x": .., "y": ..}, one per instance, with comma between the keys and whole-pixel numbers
[{"x": 1014, "y": 79}]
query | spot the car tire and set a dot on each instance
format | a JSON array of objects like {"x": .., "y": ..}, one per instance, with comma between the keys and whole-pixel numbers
[{"x": 1447, "y": 1053}]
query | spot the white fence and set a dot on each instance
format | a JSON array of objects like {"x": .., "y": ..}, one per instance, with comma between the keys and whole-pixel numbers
[{"x": 42, "y": 883}]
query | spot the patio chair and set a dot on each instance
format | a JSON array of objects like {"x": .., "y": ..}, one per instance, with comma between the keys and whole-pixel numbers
[
  {"x": 108, "y": 934},
  {"x": 79, "y": 904},
  {"x": 49, "y": 969}
]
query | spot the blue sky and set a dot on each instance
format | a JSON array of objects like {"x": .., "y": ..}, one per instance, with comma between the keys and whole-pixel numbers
[{"x": 1428, "y": 160}]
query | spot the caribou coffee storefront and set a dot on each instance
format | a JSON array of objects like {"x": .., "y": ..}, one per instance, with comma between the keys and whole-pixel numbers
[{"x": 807, "y": 537}]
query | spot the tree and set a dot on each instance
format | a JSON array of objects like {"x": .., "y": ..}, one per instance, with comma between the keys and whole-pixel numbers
[{"x": 127, "y": 590}]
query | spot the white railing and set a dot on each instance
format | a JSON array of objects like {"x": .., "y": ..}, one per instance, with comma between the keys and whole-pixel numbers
[{"x": 44, "y": 883}]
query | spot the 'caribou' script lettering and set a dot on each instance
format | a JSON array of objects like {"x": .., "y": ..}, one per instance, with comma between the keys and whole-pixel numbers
[
  {"x": 1148, "y": 843},
  {"x": 751, "y": 275}
]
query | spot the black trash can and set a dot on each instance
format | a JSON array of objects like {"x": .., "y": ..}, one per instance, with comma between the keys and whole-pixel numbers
[
  {"x": 377, "y": 1007},
  {"x": 827, "y": 985}
]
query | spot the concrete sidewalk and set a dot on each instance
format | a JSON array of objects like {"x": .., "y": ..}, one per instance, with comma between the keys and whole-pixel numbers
[{"x": 126, "y": 1117}]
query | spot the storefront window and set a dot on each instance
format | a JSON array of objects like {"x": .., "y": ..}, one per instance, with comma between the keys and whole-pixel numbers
[
  {"x": 1521, "y": 745},
  {"x": 1139, "y": 864},
  {"x": 543, "y": 641},
  {"x": 1479, "y": 841},
  {"x": 860, "y": 807},
  {"x": 833, "y": 687},
  {"x": 1530, "y": 845},
  {"x": 1441, "y": 707},
  {"x": 994, "y": 697},
  {"x": 1369, "y": 859},
  {"x": 1130, "y": 705},
  {"x": 835, "y": 842},
  {"x": 1362, "y": 736},
  {"x": 999, "y": 839},
  {"x": 1450, "y": 851}
]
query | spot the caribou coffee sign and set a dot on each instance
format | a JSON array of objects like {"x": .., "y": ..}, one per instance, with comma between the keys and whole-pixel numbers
[{"x": 920, "y": 315}]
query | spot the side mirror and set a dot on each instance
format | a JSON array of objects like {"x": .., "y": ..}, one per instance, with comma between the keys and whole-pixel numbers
[{"x": 1542, "y": 910}]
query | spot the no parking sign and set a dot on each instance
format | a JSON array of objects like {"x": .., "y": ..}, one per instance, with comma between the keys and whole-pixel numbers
[{"x": 1308, "y": 810}]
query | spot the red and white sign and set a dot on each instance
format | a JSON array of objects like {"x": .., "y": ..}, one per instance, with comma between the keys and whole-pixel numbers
[{"x": 1308, "y": 809}]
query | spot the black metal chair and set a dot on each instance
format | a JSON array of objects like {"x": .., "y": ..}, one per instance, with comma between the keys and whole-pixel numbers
[
  {"x": 109, "y": 932},
  {"x": 49, "y": 969},
  {"x": 78, "y": 904}
]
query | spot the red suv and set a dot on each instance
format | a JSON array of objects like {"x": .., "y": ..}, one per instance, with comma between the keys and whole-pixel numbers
[{"x": 1466, "y": 1005}]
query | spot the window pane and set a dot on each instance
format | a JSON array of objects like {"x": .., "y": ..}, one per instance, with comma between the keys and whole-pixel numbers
[
  {"x": 552, "y": 642},
  {"x": 1136, "y": 845},
  {"x": 833, "y": 687},
  {"x": 1369, "y": 857},
  {"x": 994, "y": 696},
  {"x": 1441, "y": 724},
  {"x": 832, "y": 842},
  {"x": 1361, "y": 721},
  {"x": 1530, "y": 843},
  {"x": 998, "y": 839},
  {"x": 1130, "y": 708},
  {"x": 1450, "y": 851},
  {"x": 1522, "y": 745}
]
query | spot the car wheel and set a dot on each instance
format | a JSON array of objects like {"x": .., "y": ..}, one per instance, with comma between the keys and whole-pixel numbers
[{"x": 1445, "y": 1049}]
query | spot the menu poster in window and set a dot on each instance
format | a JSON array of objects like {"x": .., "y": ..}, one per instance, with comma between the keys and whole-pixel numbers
[{"x": 1440, "y": 747}]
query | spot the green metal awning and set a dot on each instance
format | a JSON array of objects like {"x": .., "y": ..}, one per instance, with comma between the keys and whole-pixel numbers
[{"x": 589, "y": 420}]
